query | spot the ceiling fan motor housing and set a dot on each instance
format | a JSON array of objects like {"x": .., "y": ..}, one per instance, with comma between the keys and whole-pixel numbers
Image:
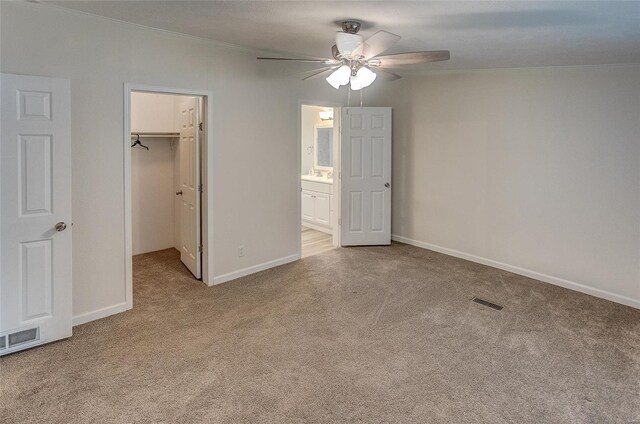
[{"x": 351, "y": 27}]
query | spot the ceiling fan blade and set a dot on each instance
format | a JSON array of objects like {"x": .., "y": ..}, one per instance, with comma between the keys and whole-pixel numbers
[
  {"x": 393, "y": 60},
  {"x": 377, "y": 43},
  {"x": 319, "y": 73},
  {"x": 384, "y": 74},
  {"x": 325, "y": 61}
]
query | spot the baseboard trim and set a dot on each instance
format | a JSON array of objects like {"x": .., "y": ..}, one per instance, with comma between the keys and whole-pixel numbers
[
  {"x": 255, "y": 268},
  {"x": 99, "y": 313},
  {"x": 571, "y": 285}
]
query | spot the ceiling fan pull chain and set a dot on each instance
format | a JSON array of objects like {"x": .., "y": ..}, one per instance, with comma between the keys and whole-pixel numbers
[
  {"x": 349, "y": 97},
  {"x": 361, "y": 90}
]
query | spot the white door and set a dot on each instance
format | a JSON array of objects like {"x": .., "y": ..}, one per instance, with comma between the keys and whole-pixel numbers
[
  {"x": 366, "y": 176},
  {"x": 190, "y": 186},
  {"x": 35, "y": 212}
]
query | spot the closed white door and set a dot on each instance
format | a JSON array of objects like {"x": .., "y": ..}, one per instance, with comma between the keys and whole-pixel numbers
[
  {"x": 190, "y": 186},
  {"x": 35, "y": 206},
  {"x": 366, "y": 176}
]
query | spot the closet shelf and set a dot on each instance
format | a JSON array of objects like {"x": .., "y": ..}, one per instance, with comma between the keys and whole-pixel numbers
[{"x": 156, "y": 134}]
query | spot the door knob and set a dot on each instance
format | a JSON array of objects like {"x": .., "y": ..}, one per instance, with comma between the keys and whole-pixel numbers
[
  {"x": 179, "y": 193},
  {"x": 60, "y": 226},
  {"x": 387, "y": 185}
]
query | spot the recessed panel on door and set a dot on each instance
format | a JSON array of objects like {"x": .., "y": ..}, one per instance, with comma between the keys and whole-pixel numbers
[
  {"x": 35, "y": 182},
  {"x": 36, "y": 279},
  {"x": 377, "y": 157},
  {"x": 192, "y": 162},
  {"x": 377, "y": 211},
  {"x": 356, "y": 156},
  {"x": 377, "y": 122},
  {"x": 355, "y": 122},
  {"x": 355, "y": 211},
  {"x": 34, "y": 105}
]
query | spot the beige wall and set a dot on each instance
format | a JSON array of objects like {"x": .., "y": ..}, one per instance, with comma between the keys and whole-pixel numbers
[
  {"x": 152, "y": 196},
  {"x": 255, "y": 131},
  {"x": 534, "y": 169},
  {"x": 537, "y": 169}
]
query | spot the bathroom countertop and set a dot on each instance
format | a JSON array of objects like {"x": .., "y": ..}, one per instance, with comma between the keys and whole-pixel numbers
[{"x": 317, "y": 179}]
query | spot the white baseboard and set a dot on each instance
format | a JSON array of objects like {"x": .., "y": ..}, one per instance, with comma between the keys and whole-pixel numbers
[
  {"x": 100, "y": 313},
  {"x": 525, "y": 272},
  {"x": 253, "y": 269}
]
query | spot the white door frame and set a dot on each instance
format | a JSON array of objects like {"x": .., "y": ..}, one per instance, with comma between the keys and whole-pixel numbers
[
  {"x": 207, "y": 180},
  {"x": 336, "y": 169}
]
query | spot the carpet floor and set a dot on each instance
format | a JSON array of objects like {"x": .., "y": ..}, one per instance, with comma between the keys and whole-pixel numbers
[{"x": 373, "y": 334}]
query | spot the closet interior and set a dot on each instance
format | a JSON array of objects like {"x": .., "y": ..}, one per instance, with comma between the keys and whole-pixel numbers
[{"x": 159, "y": 124}]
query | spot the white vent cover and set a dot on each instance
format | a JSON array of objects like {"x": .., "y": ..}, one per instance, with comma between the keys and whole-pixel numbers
[{"x": 23, "y": 336}]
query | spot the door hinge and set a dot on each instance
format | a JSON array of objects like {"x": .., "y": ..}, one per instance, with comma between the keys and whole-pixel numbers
[
  {"x": 339, "y": 221},
  {"x": 200, "y": 248},
  {"x": 200, "y": 187},
  {"x": 200, "y": 126}
]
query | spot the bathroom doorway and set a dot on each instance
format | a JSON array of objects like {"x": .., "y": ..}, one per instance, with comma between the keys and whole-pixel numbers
[{"x": 319, "y": 181}]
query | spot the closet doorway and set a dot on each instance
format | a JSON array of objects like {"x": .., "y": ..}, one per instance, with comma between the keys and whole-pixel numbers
[{"x": 168, "y": 218}]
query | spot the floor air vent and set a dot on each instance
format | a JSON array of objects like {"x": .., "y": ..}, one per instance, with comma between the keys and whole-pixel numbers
[
  {"x": 24, "y": 336},
  {"x": 487, "y": 303},
  {"x": 3, "y": 342}
]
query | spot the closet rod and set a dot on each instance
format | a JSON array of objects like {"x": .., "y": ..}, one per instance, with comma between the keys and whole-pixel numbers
[{"x": 155, "y": 134}]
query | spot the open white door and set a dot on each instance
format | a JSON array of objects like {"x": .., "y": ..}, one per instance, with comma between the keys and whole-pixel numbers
[
  {"x": 366, "y": 176},
  {"x": 190, "y": 186},
  {"x": 35, "y": 212}
]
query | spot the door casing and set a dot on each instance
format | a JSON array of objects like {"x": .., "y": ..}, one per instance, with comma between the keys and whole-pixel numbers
[{"x": 207, "y": 141}]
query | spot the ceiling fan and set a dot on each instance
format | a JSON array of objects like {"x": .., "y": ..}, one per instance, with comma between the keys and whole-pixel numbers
[{"x": 356, "y": 61}]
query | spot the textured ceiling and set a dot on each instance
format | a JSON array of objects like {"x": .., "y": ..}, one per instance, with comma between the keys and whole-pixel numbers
[{"x": 479, "y": 34}]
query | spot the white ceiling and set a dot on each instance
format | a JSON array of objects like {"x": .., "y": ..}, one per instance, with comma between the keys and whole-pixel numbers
[{"x": 479, "y": 34}]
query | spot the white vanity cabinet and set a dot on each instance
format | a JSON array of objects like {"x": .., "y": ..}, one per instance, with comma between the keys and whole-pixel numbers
[{"x": 317, "y": 201}]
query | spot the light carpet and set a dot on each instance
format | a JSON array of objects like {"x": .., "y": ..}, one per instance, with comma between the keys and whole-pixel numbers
[{"x": 374, "y": 334}]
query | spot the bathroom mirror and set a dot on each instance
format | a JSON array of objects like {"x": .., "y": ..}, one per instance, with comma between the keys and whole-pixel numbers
[{"x": 323, "y": 147}]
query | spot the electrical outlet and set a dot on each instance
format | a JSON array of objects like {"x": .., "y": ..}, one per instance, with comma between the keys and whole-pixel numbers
[{"x": 240, "y": 251}]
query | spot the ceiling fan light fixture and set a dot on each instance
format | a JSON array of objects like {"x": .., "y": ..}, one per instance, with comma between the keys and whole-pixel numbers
[
  {"x": 348, "y": 43},
  {"x": 339, "y": 77},
  {"x": 363, "y": 78}
]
